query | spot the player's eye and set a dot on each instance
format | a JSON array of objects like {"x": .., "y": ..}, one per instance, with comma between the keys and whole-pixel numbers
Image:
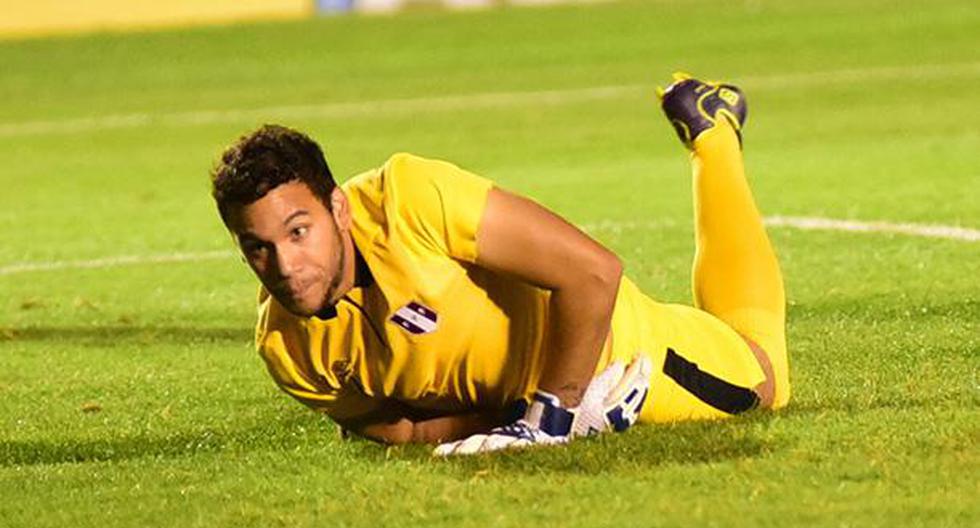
[{"x": 299, "y": 232}]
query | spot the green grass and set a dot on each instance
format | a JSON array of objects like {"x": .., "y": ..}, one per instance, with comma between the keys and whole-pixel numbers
[{"x": 131, "y": 395}]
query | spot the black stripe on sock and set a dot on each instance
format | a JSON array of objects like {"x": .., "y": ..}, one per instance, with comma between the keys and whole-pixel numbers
[{"x": 716, "y": 392}]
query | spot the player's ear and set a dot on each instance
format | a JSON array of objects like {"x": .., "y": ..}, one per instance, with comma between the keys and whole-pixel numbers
[{"x": 340, "y": 208}]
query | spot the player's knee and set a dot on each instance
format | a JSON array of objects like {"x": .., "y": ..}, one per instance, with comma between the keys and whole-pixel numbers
[{"x": 766, "y": 391}]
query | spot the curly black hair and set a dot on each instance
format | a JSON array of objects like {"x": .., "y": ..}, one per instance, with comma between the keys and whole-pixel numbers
[{"x": 265, "y": 159}]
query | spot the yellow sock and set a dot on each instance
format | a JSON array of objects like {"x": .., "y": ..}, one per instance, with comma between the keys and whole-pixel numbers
[{"x": 736, "y": 273}]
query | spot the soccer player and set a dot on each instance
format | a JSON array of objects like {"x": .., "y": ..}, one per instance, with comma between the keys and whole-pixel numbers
[{"x": 419, "y": 302}]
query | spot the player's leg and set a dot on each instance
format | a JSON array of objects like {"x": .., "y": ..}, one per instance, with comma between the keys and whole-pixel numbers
[
  {"x": 736, "y": 273},
  {"x": 703, "y": 369}
]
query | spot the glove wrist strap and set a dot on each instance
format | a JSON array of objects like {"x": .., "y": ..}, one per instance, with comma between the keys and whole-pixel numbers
[{"x": 546, "y": 414}]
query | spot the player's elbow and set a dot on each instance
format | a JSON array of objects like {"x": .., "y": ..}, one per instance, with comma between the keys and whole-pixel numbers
[
  {"x": 398, "y": 436},
  {"x": 400, "y": 431},
  {"x": 604, "y": 272},
  {"x": 407, "y": 432}
]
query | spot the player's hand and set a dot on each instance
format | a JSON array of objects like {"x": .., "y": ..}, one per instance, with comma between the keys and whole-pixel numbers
[
  {"x": 545, "y": 422},
  {"x": 612, "y": 401},
  {"x": 614, "y": 398},
  {"x": 517, "y": 435}
]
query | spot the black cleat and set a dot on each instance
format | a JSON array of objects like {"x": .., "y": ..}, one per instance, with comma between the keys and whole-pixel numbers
[{"x": 693, "y": 106}]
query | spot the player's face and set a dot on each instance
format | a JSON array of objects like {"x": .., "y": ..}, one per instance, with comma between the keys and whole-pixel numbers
[{"x": 296, "y": 246}]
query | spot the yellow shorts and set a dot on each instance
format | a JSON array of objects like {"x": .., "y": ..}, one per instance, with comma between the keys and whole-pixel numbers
[{"x": 703, "y": 369}]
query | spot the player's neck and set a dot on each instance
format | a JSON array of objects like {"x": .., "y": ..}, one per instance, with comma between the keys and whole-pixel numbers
[
  {"x": 356, "y": 272},
  {"x": 362, "y": 273}
]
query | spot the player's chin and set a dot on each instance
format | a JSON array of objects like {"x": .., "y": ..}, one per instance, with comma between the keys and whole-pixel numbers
[{"x": 303, "y": 306}]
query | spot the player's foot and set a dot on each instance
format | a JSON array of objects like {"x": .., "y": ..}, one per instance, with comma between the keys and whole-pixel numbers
[{"x": 693, "y": 106}]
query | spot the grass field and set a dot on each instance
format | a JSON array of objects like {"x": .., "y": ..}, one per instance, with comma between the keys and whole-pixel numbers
[{"x": 130, "y": 394}]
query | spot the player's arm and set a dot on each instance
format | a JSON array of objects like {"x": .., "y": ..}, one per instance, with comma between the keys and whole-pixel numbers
[
  {"x": 395, "y": 423},
  {"x": 518, "y": 237},
  {"x": 384, "y": 420}
]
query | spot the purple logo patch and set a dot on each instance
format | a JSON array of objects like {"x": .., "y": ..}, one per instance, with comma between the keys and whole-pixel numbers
[{"x": 416, "y": 319}]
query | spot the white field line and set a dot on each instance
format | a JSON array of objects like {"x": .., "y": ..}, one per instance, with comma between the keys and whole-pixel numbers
[
  {"x": 340, "y": 110},
  {"x": 316, "y": 111},
  {"x": 109, "y": 262},
  {"x": 796, "y": 222},
  {"x": 810, "y": 223}
]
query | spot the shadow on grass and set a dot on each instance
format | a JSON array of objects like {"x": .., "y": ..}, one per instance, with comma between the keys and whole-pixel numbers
[
  {"x": 692, "y": 443},
  {"x": 684, "y": 444},
  {"x": 687, "y": 444},
  {"x": 285, "y": 435},
  {"x": 113, "y": 335}
]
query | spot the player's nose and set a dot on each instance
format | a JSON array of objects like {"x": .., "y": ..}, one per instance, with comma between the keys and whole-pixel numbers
[{"x": 287, "y": 262}]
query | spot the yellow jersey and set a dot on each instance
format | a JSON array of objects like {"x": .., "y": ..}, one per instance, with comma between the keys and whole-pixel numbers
[
  {"x": 437, "y": 332},
  {"x": 432, "y": 330}
]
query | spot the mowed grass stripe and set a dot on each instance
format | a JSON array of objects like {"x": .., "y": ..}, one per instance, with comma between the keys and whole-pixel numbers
[
  {"x": 465, "y": 101},
  {"x": 807, "y": 223}
]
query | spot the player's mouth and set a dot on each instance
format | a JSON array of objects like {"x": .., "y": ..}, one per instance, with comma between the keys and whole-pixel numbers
[
  {"x": 297, "y": 291},
  {"x": 292, "y": 291}
]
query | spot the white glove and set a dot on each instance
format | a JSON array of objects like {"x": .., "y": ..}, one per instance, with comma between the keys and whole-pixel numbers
[
  {"x": 513, "y": 436},
  {"x": 614, "y": 398},
  {"x": 611, "y": 401}
]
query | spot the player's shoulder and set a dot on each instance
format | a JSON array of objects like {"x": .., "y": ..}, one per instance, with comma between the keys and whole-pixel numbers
[
  {"x": 404, "y": 170},
  {"x": 405, "y": 180},
  {"x": 418, "y": 197},
  {"x": 400, "y": 170},
  {"x": 406, "y": 162},
  {"x": 403, "y": 160},
  {"x": 410, "y": 170}
]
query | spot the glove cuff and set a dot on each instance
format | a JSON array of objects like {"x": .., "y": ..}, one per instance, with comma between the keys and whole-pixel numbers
[{"x": 547, "y": 415}]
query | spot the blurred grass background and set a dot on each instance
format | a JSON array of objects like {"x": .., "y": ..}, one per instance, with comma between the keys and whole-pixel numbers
[{"x": 131, "y": 394}]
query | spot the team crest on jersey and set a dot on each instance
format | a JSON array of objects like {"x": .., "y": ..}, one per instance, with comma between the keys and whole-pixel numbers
[{"x": 416, "y": 319}]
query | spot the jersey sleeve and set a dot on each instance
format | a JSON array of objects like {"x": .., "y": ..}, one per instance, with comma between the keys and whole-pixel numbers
[{"x": 439, "y": 203}]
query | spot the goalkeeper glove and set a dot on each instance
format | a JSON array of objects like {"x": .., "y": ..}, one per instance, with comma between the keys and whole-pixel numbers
[
  {"x": 614, "y": 398},
  {"x": 612, "y": 401}
]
